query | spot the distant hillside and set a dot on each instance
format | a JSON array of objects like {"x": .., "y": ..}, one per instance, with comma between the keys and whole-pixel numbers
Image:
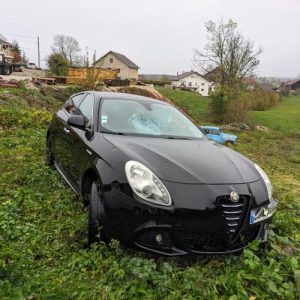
[
  {"x": 157, "y": 77},
  {"x": 275, "y": 81}
]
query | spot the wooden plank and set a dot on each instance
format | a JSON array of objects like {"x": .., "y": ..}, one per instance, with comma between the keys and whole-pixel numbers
[{"x": 76, "y": 75}]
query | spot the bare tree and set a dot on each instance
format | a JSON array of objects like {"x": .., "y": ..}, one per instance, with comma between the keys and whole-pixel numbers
[
  {"x": 228, "y": 52},
  {"x": 67, "y": 46},
  {"x": 16, "y": 51},
  {"x": 25, "y": 59}
]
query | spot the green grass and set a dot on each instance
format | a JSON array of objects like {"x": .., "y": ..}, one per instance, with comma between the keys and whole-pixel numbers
[
  {"x": 195, "y": 105},
  {"x": 285, "y": 116},
  {"x": 43, "y": 253}
]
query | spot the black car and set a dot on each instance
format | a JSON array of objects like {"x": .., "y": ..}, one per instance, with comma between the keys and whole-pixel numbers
[{"x": 152, "y": 180}]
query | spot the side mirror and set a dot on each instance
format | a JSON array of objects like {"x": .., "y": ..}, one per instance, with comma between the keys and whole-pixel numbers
[{"x": 77, "y": 121}]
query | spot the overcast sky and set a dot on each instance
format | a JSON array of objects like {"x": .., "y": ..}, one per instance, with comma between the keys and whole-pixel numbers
[{"x": 158, "y": 35}]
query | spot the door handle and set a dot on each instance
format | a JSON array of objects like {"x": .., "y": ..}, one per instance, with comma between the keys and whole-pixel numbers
[{"x": 66, "y": 130}]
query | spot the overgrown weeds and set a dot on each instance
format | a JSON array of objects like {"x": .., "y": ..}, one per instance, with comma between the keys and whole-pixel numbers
[{"x": 43, "y": 253}]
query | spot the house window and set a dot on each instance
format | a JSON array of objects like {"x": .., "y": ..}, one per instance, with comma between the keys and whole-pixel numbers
[
  {"x": 118, "y": 70},
  {"x": 111, "y": 60},
  {"x": 202, "y": 90},
  {"x": 192, "y": 76},
  {"x": 190, "y": 84},
  {"x": 202, "y": 83}
]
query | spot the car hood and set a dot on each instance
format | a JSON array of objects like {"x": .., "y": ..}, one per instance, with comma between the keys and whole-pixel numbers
[{"x": 186, "y": 161}]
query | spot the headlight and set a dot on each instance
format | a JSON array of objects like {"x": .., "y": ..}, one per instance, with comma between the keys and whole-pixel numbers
[
  {"x": 262, "y": 213},
  {"x": 145, "y": 184},
  {"x": 266, "y": 180}
]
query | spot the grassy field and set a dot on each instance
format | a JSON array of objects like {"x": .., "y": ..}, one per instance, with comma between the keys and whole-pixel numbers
[
  {"x": 43, "y": 253},
  {"x": 195, "y": 105},
  {"x": 284, "y": 117}
]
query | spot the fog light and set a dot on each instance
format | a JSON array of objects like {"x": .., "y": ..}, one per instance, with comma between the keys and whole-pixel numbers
[{"x": 158, "y": 238}]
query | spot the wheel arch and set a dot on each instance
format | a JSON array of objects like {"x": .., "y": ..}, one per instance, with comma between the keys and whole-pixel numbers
[{"x": 88, "y": 178}]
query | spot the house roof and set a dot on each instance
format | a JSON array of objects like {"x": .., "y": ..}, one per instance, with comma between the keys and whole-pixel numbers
[
  {"x": 212, "y": 74},
  {"x": 129, "y": 63},
  {"x": 291, "y": 82},
  {"x": 3, "y": 40},
  {"x": 248, "y": 80},
  {"x": 186, "y": 74}
]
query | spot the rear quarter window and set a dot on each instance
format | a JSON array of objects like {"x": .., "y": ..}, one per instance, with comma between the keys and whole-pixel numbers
[
  {"x": 73, "y": 103},
  {"x": 77, "y": 99}
]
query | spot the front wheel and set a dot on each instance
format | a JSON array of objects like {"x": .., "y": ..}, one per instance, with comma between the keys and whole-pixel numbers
[{"x": 96, "y": 230}]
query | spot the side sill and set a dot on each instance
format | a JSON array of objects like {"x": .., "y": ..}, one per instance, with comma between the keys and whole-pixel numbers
[{"x": 60, "y": 171}]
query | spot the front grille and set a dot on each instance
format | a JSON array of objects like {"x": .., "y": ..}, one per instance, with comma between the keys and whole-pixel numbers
[
  {"x": 234, "y": 213},
  {"x": 201, "y": 241}
]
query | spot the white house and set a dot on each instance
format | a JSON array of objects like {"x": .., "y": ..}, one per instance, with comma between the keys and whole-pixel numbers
[{"x": 194, "y": 81}]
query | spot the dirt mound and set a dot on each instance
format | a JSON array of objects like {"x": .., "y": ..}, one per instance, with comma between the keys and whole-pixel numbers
[
  {"x": 144, "y": 91},
  {"x": 31, "y": 73}
]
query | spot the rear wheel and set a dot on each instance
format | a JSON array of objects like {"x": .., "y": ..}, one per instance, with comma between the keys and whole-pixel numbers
[
  {"x": 96, "y": 231},
  {"x": 6, "y": 70}
]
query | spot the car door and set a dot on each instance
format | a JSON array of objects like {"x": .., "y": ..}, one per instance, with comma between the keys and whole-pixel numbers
[
  {"x": 209, "y": 134},
  {"x": 79, "y": 156},
  {"x": 60, "y": 130},
  {"x": 216, "y": 136},
  {"x": 221, "y": 137}
]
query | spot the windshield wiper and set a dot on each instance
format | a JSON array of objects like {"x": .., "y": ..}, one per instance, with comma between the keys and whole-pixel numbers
[
  {"x": 177, "y": 138},
  {"x": 114, "y": 132}
]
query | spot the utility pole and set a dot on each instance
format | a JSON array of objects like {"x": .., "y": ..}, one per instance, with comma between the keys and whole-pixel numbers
[{"x": 39, "y": 56}]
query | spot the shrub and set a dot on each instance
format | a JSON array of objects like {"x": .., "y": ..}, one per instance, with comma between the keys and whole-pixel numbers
[
  {"x": 262, "y": 100},
  {"x": 297, "y": 92},
  {"x": 92, "y": 80},
  {"x": 58, "y": 64},
  {"x": 223, "y": 110}
]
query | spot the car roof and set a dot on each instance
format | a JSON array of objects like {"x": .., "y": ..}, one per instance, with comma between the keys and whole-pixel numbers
[
  {"x": 124, "y": 96},
  {"x": 210, "y": 127}
]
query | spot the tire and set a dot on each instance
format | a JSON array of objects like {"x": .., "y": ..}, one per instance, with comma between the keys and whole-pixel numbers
[
  {"x": 227, "y": 143},
  {"x": 49, "y": 153},
  {"x": 6, "y": 70},
  {"x": 96, "y": 231}
]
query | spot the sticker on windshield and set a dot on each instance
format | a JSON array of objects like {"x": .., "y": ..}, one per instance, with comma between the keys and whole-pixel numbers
[{"x": 103, "y": 119}]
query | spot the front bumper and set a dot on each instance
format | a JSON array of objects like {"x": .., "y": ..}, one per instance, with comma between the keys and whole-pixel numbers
[
  {"x": 181, "y": 243},
  {"x": 200, "y": 227}
]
